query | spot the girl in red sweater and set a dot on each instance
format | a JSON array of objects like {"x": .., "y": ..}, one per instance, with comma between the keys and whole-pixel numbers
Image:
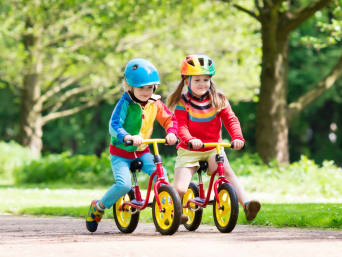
[{"x": 200, "y": 113}]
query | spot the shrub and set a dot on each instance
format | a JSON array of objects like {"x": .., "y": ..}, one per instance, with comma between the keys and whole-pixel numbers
[
  {"x": 77, "y": 169},
  {"x": 12, "y": 155}
]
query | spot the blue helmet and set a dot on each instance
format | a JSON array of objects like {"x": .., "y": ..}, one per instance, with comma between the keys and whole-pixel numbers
[{"x": 140, "y": 72}]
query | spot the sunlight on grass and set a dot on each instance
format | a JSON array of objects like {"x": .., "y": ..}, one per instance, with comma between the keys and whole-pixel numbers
[{"x": 75, "y": 202}]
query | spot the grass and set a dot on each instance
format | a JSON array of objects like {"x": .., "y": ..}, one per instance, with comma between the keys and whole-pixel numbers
[{"x": 74, "y": 202}]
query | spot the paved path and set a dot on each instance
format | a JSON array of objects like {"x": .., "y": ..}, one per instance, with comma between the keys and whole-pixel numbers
[{"x": 28, "y": 236}]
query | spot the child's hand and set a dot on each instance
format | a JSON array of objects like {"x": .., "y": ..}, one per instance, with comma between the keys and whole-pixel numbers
[
  {"x": 171, "y": 139},
  {"x": 137, "y": 140},
  {"x": 238, "y": 144},
  {"x": 196, "y": 143}
]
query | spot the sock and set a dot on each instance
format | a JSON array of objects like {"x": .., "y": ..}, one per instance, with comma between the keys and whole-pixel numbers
[{"x": 98, "y": 206}]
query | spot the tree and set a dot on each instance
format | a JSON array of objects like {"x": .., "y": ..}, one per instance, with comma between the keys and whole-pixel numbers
[
  {"x": 278, "y": 18},
  {"x": 61, "y": 56}
]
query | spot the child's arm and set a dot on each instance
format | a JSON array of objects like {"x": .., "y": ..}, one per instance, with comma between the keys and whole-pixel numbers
[
  {"x": 231, "y": 123},
  {"x": 166, "y": 119},
  {"x": 117, "y": 119}
]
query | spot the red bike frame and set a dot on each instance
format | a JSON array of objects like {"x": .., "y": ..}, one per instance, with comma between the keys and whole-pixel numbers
[
  {"x": 221, "y": 178},
  {"x": 159, "y": 172}
]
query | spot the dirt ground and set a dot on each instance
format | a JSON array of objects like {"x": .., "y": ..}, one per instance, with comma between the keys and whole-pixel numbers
[{"x": 34, "y": 237}]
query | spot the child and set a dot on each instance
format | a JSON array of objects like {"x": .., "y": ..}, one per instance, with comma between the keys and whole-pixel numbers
[
  {"x": 132, "y": 119},
  {"x": 199, "y": 114}
]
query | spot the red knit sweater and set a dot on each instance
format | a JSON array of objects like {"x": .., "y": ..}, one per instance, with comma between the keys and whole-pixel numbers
[{"x": 199, "y": 119}]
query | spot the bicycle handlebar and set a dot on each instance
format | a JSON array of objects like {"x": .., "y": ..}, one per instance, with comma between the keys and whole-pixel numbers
[
  {"x": 147, "y": 141},
  {"x": 205, "y": 145}
]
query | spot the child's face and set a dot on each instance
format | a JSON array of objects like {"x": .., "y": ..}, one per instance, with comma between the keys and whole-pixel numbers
[
  {"x": 143, "y": 93},
  {"x": 200, "y": 84}
]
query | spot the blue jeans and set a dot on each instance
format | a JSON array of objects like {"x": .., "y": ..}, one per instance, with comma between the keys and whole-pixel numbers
[{"x": 123, "y": 179}]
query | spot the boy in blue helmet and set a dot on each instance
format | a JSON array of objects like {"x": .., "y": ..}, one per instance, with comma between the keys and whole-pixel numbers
[{"x": 132, "y": 119}]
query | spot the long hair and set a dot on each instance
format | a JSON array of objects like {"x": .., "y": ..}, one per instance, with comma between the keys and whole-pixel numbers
[
  {"x": 175, "y": 96},
  {"x": 218, "y": 99}
]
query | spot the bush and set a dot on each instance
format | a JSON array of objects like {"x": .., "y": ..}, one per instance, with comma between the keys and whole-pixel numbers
[
  {"x": 304, "y": 179},
  {"x": 12, "y": 155},
  {"x": 78, "y": 169}
]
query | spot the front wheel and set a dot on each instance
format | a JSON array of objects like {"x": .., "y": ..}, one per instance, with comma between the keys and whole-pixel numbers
[
  {"x": 226, "y": 215},
  {"x": 167, "y": 219},
  {"x": 194, "y": 212},
  {"x": 127, "y": 219}
]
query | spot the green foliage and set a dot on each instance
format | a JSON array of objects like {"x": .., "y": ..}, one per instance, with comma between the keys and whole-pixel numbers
[
  {"x": 309, "y": 215},
  {"x": 310, "y": 60},
  {"x": 12, "y": 156},
  {"x": 78, "y": 169},
  {"x": 89, "y": 42},
  {"x": 303, "y": 179}
]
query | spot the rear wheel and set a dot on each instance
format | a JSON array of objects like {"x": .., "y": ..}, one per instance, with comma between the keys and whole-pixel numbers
[
  {"x": 226, "y": 215},
  {"x": 194, "y": 212},
  {"x": 126, "y": 220},
  {"x": 167, "y": 219}
]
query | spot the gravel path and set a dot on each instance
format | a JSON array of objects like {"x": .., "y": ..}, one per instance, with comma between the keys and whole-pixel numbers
[{"x": 34, "y": 237}]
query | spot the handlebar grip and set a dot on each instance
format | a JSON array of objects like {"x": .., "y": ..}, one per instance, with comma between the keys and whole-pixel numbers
[
  {"x": 128, "y": 142},
  {"x": 190, "y": 145},
  {"x": 244, "y": 145}
]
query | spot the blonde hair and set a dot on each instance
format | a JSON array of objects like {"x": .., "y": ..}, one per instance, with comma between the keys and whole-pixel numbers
[
  {"x": 126, "y": 87},
  {"x": 218, "y": 99}
]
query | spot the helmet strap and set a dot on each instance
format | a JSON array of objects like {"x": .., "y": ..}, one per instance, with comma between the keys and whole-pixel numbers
[
  {"x": 189, "y": 85},
  {"x": 136, "y": 99}
]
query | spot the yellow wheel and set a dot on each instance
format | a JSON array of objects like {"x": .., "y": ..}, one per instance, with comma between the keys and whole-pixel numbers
[
  {"x": 226, "y": 215},
  {"x": 167, "y": 219},
  {"x": 126, "y": 220},
  {"x": 194, "y": 213}
]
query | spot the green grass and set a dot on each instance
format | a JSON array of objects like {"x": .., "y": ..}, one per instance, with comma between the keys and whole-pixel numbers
[{"x": 74, "y": 202}]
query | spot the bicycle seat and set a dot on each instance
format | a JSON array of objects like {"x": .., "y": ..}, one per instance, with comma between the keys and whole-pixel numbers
[
  {"x": 136, "y": 165},
  {"x": 203, "y": 166}
]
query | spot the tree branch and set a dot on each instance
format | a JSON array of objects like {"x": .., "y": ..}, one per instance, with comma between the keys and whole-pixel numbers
[
  {"x": 60, "y": 38},
  {"x": 301, "y": 15},
  {"x": 79, "y": 43},
  {"x": 326, "y": 83},
  {"x": 63, "y": 98},
  {"x": 59, "y": 75},
  {"x": 257, "y": 4},
  {"x": 57, "y": 89},
  {"x": 81, "y": 11},
  {"x": 129, "y": 42},
  {"x": 57, "y": 115},
  {"x": 251, "y": 13}
]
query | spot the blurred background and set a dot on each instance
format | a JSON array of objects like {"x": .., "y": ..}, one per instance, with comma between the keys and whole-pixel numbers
[{"x": 278, "y": 62}]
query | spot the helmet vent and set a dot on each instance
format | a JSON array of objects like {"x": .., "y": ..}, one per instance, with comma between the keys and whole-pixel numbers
[
  {"x": 135, "y": 67},
  {"x": 190, "y": 61},
  {"x": 201, "y": 61}
]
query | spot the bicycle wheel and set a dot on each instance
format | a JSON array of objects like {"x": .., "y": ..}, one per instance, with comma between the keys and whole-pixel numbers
[
  {"x": 195, "y": 217},
  {"x": 226, "y": 216},
  {"x": 124, "y": 219},
  {"x": 167, "y": 219}
]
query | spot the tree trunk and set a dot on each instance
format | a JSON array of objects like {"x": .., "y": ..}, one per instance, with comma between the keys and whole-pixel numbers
[
  {"x": 272, "y": 124},
  {"x": 30, "y": 111}
]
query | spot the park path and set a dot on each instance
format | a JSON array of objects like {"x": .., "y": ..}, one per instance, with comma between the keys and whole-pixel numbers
[{"x": 28, "y": 236}]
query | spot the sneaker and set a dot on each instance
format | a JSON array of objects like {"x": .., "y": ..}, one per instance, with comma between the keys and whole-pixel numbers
[
  {"x": 184, "y": 219},
  {"x": 94, "y": 217},
  {"x": 251, "y": 209}
]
